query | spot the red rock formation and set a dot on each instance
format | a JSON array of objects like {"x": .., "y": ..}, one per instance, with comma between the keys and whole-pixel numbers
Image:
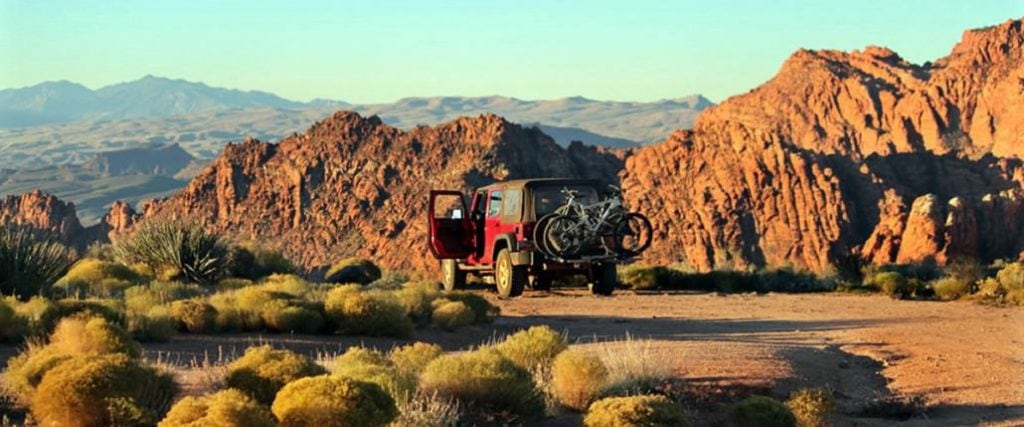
[
  {"x": 44, "y": 212},
  {"x": 821, "y": 159},
  {"x": 355, "y": 186}
]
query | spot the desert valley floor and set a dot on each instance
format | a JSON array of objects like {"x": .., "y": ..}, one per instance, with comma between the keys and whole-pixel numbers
[{"x": 966, "y": 360}]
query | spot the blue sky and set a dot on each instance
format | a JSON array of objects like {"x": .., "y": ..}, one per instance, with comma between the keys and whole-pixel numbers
[{"x": 380, "y": 51}]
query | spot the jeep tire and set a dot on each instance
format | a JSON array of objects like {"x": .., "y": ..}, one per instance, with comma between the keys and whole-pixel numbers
[
  {"x": 603, "y": 279},
  {"x": 510, "y": 279},
  {"x": 452, "y": 277}
]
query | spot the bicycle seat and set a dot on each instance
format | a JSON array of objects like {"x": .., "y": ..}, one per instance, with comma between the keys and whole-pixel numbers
[{"x": 569, "y": 192}]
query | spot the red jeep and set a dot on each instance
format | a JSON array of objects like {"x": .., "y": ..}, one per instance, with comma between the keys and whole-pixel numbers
[{"x": 504, "y": 232}]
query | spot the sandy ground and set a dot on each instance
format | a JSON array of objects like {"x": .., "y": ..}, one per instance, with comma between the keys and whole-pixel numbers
[{"x": 964, "y": 359}]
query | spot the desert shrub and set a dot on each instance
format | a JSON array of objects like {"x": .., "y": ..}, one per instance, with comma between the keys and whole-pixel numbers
[
  {"x": 647, "y": 410},
  {"x": 255, "y": 262},
  {"x": 452, "y": 315},
  {"x": 633, "y": 366},
  {"x": 30, "y": 261},
  {"x": 641, "y": 277},
  {"x": 533, "y": 347},
  {"x": 1015, "y": 297},
  {"x": 26, "y": 370},
  {"x": 227, "y": 408},
  {"x": 86, "y": 335},
  {"x": 812, "y": 407},
  {"x": 188, "y": 248},
  {"x": 950, "y": 288},
  {"x": 967, "y": 270},
  {"x": 156, "y": 325},
  {"x": 94, "y": 277},
  {"x": 761, "y": 411},
  {"x": 417, "y": 299},
  {"x": 242, "y": 310},
  {"x": 353, "y": 270},
  {"x": 141, "y": 299},
  {"x": 486, "y": 381},
  {"x": 363, "y": 364},
  {"x": 56, "y": 310},
  {"x": 894, "y": 407},
  {"x": 1011, "y": 277},
  {"x": 409, "y": 361},
  {"x": 427, "y": 410},
  {"x": 483, "y": 310},
  {"x": 101, "y": 391},
  {"x": 891, "y": 283},
  {"x": 193, "y": 315},
  {"x": 232, "y": 283},
  {"x": 390, "y": 280},
  {"x": 366, "y": 313},
  {"x": 577, "y": 378},
  {"x": 329, "y": 401},
  {"x": 12, "y": 325},
  {"x": 293, "y": 319},
  {"x": 262, "y": 371}
]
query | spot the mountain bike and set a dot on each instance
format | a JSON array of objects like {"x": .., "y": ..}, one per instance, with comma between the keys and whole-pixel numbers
[{"x": 604, "y": 229}]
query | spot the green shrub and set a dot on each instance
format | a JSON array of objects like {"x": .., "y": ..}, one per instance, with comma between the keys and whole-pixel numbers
[
  {"x": 262, "y": 371},
  {"x": 328, "y": 401},
  {"x": 255, "y": 262},
  {"x": 353, "y": 270},
  {"x": 101, "y": 391},
  {"x": 1011, "y": 277},
  {"x": 12, "y": 325},
  {"x": 641, "y": 277},
  {"x": 157, "y": 325},
  {"x": 141, "y": 299},
  {"x": 812, "y": 407},
  {"x": 94, "y": 277},
  {"x": 226, "y": 408},
  {"x": 950, "y": 288},
  {"x": 232, "y": 283},
  {"x": 891, "y": 283},
  {"x": 452, "y": 315},
  {"x": 483, "y": 310},
  {"x": 409, "y": 361},
  {"x": 647, "y": 411},
  {"x": 366, "y": 313},
  {"x": 363, "y": 364},
  {"x": 85, "y": 335},
  {"x": 187, "y": 248},
  {"x": 533, "y": 347},
  {"x": 53, "y": 312},
  {"x": 417, "y": 299},
  {"x": 30, "y": 261},
  {"x": 193, "y": 315},
  {"x": 577, "y": 378},
  {"x": 293, "y": 319},
  {"x": 485, "y": 380},
  {"x": 761, "y": 411}
]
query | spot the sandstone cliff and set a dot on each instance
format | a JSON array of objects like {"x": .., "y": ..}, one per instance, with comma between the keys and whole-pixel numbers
[{"x": 844, "y": 152}]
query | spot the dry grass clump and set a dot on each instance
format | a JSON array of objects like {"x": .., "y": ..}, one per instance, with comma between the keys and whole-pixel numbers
[
  {"x": 812, "y": 407},
  {"x": 328, "y": 401},
  {"x": 364, "y": 364},
  {"x": 486, "y": 382},
  {"x": 262, "y": 371},
  {"x": 951, "y": 288},
  {"x": 353, "y": 270},
  {"x": 141, "y": 299},
  {"x": 761, "y": 411},
  {"x": 232, "y": 283},
  {"x": 26, "y": 370},
  {"x": 577, "y": 378},
  {"x": 645, "y": 411},
  {"x": 631, "y": 364},
  {"x": 374, "y": 313},
  {"x": 193, "y": 315},
  {"x": 533, "y": 347},
  {"x": 104, "y": 390},
  {"x": 452, "y": 315},
  {"x": 156, "y": 325},
  {"x": 226, "y": 408},
  {"x": 484, "y": 311},
  {"x": 94, "y": 277},
  {"x": 427, "y": 410},
  {"x": 83, "y": 335}
]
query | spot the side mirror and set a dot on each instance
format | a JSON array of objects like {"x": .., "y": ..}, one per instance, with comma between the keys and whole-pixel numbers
[{"x": 457, "y": 214}]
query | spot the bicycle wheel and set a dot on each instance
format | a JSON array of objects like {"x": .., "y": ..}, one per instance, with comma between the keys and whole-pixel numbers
[
  {"x": 633, "y": 234},
  {"x": 539, "y": 238},
  {"x": 561, "y": 237}
]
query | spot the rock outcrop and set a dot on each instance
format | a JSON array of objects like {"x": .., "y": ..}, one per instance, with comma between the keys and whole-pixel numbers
[
  {"x": 42, "y": 211},
  {"x": 352, "y": 185},
  {"x": 848, "y": 152}
]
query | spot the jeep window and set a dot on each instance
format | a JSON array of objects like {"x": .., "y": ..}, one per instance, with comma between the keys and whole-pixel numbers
[
  {"x": 550, "y": 197},
  {"x": 510, "y": 204},
  {"x": 494, "y": 206}
]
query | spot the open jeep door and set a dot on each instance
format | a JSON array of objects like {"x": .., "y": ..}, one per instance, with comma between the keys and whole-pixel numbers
[{"x": 450, "y": 230}]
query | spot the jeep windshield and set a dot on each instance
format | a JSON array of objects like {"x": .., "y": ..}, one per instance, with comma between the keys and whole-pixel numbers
[{"x": 547, "y": 198}]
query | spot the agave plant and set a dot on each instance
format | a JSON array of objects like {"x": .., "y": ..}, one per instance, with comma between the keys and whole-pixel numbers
[
  {"x": 30, "y": 261},
  {"x": 187, "y": 247}
]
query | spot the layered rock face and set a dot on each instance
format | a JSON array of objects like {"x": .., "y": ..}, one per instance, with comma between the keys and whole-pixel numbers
[
  {"x": 42, "y": 211},
  {"x": 355, "y": 186},
  {"x": 848, "y": 152}
]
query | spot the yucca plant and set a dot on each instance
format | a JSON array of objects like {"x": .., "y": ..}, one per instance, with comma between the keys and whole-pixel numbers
[
  {"x": 30, "y": 261},
  {"x": 187, "y": 248}
]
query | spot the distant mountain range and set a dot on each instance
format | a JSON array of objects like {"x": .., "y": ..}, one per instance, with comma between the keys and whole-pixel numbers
[{"x": 63, "y": 122}]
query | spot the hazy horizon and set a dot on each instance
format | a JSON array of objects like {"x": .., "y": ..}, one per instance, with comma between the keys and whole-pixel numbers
[{"x": 378, "y": 53}]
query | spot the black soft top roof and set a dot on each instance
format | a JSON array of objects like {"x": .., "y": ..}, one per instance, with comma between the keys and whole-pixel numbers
[{"x": 535, "y": 182}]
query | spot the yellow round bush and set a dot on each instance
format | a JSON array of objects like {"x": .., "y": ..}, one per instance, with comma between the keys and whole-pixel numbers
[
  {"x": 102, "y": 390},
  {"x": 262, "y": 371},
  {"x": 156, "y": 325},
  {"x": 951, "y": 288},
  {"x": 410, "y": 360},
  {"x": 812, "y": 407},
  {"x": 417, "y": 298},
  {"x": 226, "y": 408},
  {"x": 533, "y": 347},
  {"x": 485, "y": 380},
  {"x": 92, "y": 335},
  {"x": 645, "y": 410},
  {"x": 293, "y": 319},
  {"x": 452, "y": 315},
  {"x": 363, "y": 364},
  {"x": 331, "y": 401},
  {"x": 484, "y": 311},
  {"x": 194, "y": 315},
  {"x": 761, "y": 411},
  {"x": 26, "y": 370},
  {"x": 97, "y": 277},
  {"x": 577, "y": 378},
  {"x": 366, "y": 313}
]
